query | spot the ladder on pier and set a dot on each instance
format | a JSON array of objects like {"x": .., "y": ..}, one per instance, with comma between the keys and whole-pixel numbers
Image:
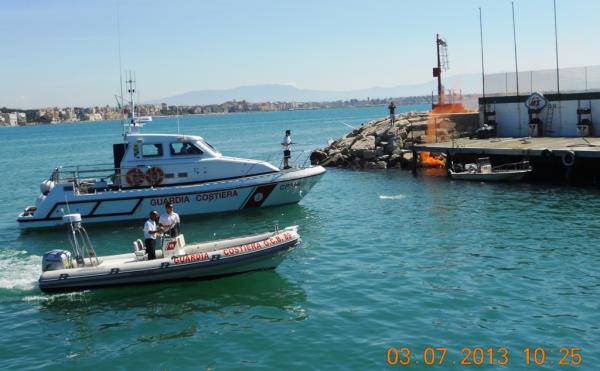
[
  {"x": 549, "y": 118},
  {"x": 585, "y": 125}
]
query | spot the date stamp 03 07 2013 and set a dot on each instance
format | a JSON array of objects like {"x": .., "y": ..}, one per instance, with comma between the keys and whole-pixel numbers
[{"x": 538, "y": 356}]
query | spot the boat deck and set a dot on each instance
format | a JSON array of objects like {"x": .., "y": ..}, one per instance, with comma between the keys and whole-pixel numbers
[{"x": 583, "y": 147}]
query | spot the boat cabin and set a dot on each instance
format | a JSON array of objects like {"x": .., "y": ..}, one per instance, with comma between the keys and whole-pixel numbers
[{"x": 150, "y": 160}]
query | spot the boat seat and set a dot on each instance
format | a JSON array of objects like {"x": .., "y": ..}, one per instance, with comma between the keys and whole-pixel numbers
[
  {"x": 138, "y": 245},
  {"x": 139, "y": 250}
]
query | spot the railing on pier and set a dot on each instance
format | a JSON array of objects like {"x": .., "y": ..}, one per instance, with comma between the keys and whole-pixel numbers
[{"x": 572, "y": 80}]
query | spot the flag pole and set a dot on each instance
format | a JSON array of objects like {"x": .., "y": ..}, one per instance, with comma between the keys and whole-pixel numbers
[
  {"x": 556, "y": 48},
  {"x": 482, "y": 65},
  {"x": 512, "y": 3}
]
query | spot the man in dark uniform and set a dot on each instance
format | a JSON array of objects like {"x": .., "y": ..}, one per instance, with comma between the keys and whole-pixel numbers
[
  {"x": 150, "y": 231},
  {"x": 286, "y": 142}
]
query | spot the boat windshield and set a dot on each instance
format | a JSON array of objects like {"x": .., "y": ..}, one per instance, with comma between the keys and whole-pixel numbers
[{"x": 211, "y": 147}]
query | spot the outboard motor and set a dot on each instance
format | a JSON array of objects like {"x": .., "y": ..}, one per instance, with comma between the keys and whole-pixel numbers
[
  {"x": 56, "y": 259},
  {"x": 80, "y": 243}
]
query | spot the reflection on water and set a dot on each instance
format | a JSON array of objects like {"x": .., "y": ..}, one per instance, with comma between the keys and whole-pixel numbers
[
  {"x": 176, "y": 299},
  {"x": 149, "y": 314}
]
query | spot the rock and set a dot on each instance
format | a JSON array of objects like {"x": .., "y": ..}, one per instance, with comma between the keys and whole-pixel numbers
[
  {"x": 378, "y": 144},
  {"x": 394, "y": 159},
  {"x": 344, "y": 142},
  {"x": 317, "y": 156},
  {"x": 337, "y": 158},
  {"x": 362, "y": 144},
  {"x": 377, "y": 127},
  {"x": 368, "y": 154},
  {"x": 389, "y": 147},
  {"x": 382, "y": 130},
  {"x": 376, "y": 165},
  {"x": 403, "y": 134}
]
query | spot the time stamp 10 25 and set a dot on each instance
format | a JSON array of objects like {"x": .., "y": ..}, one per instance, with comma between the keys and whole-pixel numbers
[{"x": 488, "y": 356}]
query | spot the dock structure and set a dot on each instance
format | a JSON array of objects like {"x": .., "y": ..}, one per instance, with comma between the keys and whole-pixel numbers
[
  {"x": 574, "y": 159},
  {"x": 539, "y": 146}
]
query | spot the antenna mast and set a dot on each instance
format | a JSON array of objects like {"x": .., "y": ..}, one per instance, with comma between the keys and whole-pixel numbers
[
  {"x": 556, "y": 47},
  {"x": 120, "y": 61},
  {"x": 442, "y": 65},
  {"x": 482, "y": 65},
  {"x": 512, "y": 3},
  {"x": 133, "y": 124}
]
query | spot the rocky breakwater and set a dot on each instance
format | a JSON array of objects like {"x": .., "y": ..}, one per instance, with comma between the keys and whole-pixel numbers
[{"x": 378, "y": 144}]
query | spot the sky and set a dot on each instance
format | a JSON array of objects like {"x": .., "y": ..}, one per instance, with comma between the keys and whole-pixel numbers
[{"x": 65, "y": 52}]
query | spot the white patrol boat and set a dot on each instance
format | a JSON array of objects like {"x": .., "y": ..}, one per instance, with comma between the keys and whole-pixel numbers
[
  {"x": 81, "y": 268},
  {"x": 151, "y": 169}
]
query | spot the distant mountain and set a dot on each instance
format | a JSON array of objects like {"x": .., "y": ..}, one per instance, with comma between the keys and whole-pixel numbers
[{"x": 287, "y": 93}]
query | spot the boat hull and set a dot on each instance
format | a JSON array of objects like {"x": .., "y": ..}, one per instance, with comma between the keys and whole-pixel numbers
[
  {"x": 280, "y": 188},
  {"x": 257, "y": 254},
  {"x": 505, "y": 176}
]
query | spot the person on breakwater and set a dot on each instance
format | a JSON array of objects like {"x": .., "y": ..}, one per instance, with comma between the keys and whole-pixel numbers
[
  {"x": 150, "y": 232},
  {"x": 169, "y": 221},
  {"x": 287, "y": 153}
]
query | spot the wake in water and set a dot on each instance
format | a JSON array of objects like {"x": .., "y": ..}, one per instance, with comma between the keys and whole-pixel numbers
[
  {"x": 391, "y": 197},
  {"x": 19, "y": 270}
]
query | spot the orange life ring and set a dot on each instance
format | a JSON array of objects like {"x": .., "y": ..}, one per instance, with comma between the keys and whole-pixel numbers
[
  {"x": 135, "y": 177},
  {"x": 155, "y": 176}
]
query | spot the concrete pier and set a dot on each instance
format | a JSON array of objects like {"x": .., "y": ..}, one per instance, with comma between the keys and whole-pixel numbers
[
  {"x": 574, "y": 160},
  {"x": 583, "y": 147}
]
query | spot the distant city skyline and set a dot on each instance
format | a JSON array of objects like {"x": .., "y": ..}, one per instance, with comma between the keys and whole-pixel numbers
[{"x": 65, "y": 53}]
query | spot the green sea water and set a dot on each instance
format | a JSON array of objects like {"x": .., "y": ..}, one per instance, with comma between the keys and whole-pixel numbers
[{"x": 387, "y": 260}]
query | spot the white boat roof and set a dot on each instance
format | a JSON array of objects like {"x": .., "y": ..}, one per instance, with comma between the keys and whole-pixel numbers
[{"x": 164, "y": 136}]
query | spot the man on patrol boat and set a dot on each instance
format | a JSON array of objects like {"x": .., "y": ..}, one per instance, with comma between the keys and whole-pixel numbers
[
  {"x": 169, "y": 221},
  {"x": 150, "y": 231},
  {"x": 286, "y": 142}
]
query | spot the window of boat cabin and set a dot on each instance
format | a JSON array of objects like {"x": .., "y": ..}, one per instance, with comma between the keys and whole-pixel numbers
[
  {"x": 152, "y": 150},
  {"x": 184, "y": 148},
  {"x": 211, "y": 147}
]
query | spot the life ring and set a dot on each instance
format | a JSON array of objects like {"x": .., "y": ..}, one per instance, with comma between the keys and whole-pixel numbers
[
  {"x": 135, "y": 177},
  {"x": 568, "y": 158},
  {"x": 155, "y": 176}
]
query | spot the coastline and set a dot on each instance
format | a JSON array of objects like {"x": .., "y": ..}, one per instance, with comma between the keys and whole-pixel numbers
[{"x": 200, "y": 114}]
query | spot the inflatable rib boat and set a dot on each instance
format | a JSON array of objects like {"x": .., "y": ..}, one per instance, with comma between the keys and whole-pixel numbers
[{"x": 176, "y": 260}]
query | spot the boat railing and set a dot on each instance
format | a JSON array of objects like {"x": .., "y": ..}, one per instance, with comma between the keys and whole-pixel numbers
[
  {"x": 299, "y": 161},
  {"x": 76, "y": 173},
  {"x": 81, "y": 173},
  {"x": 303, "y": 157}
]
